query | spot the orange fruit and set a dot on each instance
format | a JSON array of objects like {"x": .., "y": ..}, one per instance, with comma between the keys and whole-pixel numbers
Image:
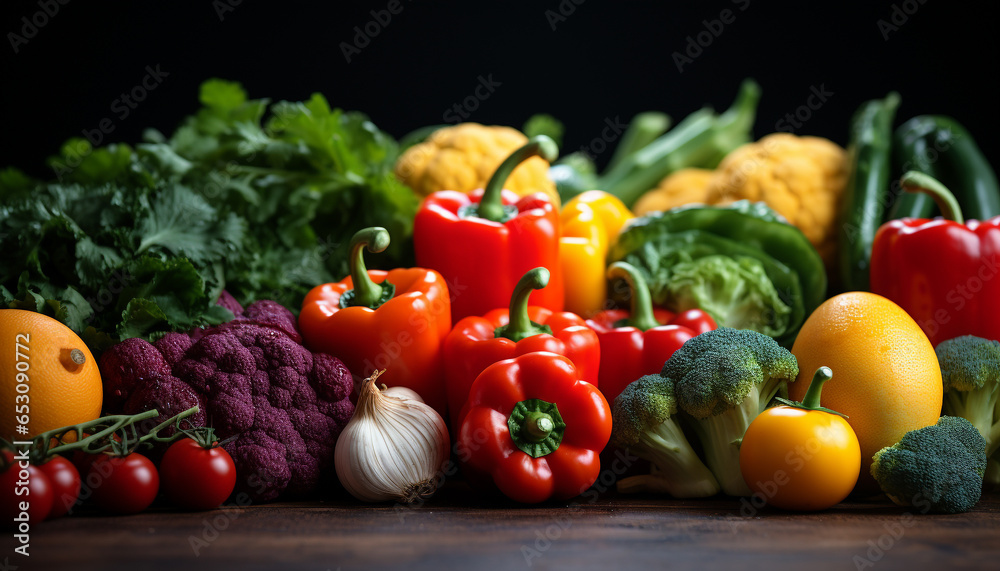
[
  {"x": 56, "y": 369},
  {"x": 886, "y": 376}
]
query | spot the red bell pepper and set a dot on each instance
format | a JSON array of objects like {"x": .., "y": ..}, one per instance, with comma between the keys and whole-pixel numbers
[
  {"x": 477, "y": 342},
  {"x": 637, "y": 342},
  {"x": 483, "y": 242},
  {"x": 944, "y": 273},
  {"x": 373, "y": 320},
  {"x": 534, "y": 428}
]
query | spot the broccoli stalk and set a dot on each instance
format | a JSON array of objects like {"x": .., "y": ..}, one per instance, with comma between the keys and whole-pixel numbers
[
  {"x": 979, "y": 407},
  {"x": 722, "y": 434},
  {"x": 643, "y": 422},
  {"x": 992, "y": 476},
  {"x": 723, "y": 379},
  {"x": 970, "y": 371},
  {"x": 937, "y": 469}
]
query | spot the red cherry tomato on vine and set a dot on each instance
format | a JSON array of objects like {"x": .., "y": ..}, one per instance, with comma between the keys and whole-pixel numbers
[
  {"x": 82, "y": 461},
  {"x": 197, "y": 478},
  {"x": 123, "y": 484},
  {"x": 19, "y": 484},
  {"x": 65, "y": 482}
]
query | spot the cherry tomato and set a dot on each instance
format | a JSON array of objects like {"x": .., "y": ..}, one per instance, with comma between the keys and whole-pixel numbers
[
  {"x": 801, "y": 457},
  {"x": 23, "y": 485},
  {"x": 197, "y": 478},
  {"x": 123, "y": 484},
  {"x": 65, "y": 481},
  {"x": 82, "y": 461}
]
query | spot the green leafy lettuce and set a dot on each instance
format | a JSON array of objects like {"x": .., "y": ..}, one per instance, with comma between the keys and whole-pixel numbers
[{"x": 256, "y": 198}]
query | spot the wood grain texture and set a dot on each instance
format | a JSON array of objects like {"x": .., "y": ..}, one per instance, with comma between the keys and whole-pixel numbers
[{"x": 457, "y": 529}]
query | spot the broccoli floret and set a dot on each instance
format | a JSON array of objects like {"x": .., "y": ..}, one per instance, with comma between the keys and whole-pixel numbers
[
  {"x": 724, "y": 379},
  {"x": 970, "y": 370},
  {"x": 643, "y": 421},
  {"x": 938, "y": 468}
]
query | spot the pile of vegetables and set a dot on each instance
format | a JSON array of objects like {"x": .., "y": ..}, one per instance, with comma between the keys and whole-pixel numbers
[{"x": 525, "y": 312}]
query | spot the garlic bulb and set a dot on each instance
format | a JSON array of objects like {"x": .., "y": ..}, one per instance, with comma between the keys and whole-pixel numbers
[{"x": 393, "y": 448}]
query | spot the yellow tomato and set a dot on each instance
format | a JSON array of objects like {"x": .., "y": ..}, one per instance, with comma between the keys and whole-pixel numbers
[{"x": 801, "y": 457}]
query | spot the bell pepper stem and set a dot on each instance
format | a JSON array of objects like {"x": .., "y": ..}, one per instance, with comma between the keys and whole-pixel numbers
[
  {"x": 914, "y": 181},
  {"x": 641, "y": 314},
  {"x": 812, "y": 398},
  {"x": 538, "y": 426},
  {"x": 519, "y": 325},
  {"x": 491, "y": 205},
  {"x": 366, "y": 292}
]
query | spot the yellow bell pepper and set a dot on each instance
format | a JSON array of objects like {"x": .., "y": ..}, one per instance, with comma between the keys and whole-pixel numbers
[{"x": 590, "y": 224}]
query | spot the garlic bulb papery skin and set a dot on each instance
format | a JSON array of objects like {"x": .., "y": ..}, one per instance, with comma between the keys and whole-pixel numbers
[{"x": 393, "y": 448}]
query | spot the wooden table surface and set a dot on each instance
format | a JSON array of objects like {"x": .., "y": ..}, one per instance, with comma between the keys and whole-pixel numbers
[{"x": 456, "y": 529}]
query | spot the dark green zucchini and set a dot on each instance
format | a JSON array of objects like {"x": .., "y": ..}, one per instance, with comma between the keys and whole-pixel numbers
[
  {"x": 865, "y": 199},
  {"x": 942, "y": 148}
]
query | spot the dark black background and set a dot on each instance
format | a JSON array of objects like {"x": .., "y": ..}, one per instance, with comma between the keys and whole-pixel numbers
[{"x": 602, "y": 61}]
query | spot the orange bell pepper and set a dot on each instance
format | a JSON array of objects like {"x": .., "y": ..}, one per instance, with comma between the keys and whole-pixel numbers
[
  {"x": 590, "y": 224},
  {"x": 374, "y": 319}
]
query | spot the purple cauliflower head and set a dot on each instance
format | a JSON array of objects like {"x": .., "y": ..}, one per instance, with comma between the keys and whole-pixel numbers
[{"x": 282, "y": 405}]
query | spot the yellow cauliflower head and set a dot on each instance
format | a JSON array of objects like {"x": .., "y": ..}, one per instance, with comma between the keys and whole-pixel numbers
[
  {"x": 802, "y": 178},
  {"x": 463, "y": 158},
  {"x": 685, "y": 186}
]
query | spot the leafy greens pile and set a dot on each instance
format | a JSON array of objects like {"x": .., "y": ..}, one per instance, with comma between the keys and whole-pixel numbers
[{"x": 259, "y": 200}]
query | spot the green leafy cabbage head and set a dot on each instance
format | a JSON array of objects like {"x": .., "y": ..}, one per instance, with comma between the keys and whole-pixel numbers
[{"x": 735, "y": 291}]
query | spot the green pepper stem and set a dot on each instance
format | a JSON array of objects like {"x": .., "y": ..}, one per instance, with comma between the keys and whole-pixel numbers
[
  {"x": 914, "y": 181},
  {"x": 641, "y": 314},
  {"x": 812, "y": 398},
  {"x": 538, "y": 426},
  {"x": 375, "y": 239},
  {"x": 520, "y": 326},
  {"x": 491, "y": 205}
]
